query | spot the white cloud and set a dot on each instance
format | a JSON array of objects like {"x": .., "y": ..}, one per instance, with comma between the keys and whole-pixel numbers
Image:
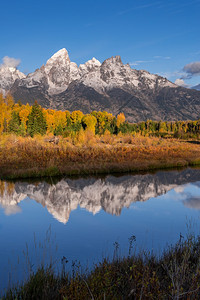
[
  {"x": 181, "y": 82},
  {"x": 10, "y": 62},
  {"x": 12, "y": 210}
]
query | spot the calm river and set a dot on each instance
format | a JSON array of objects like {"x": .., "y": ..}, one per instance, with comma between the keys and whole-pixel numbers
[{"x": 85, "y": 219}]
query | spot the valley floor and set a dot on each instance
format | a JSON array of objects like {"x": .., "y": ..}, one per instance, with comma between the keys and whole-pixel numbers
[{"x": 35, "y": 157}]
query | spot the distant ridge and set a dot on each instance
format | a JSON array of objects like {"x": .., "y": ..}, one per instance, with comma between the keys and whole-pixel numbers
[
  {"x": 111, "y": 86},
  {"x": 196, "y": 87}
]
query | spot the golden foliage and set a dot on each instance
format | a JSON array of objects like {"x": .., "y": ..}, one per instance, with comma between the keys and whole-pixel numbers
[
  {"x": 120, "y": 119},
  {"x": 76, "y": 116},
  {"x": 86, "y": 152}
]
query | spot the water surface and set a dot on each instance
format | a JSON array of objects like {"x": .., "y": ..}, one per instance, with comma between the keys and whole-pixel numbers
[{"x": 82, "y": 218}]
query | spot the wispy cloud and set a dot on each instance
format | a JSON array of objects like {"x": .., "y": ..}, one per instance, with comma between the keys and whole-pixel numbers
[
  {"x": 174, "y": 6},
  {"x": 162, "y": 57},
  {"x": 138, "y": 8},
  {"x": 172, "y": 74},
  {"x": 139, "y": 62},
  {"x": 182, "y": 6},
  {"x": 156, "y": 57}
]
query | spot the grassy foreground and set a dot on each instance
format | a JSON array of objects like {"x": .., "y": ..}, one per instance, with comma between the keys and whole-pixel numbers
[
  {"x": 175, "y": 275},
  {"x": 89, "y": 154}
]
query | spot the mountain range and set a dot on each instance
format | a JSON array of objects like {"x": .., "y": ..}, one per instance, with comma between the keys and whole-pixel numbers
[
  {"x": 111, "y": 193},
  {"x": 111, "y": 86}
]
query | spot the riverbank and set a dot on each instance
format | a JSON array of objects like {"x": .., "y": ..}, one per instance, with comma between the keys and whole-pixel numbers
[
  {"x": 175, "y": 274},
  {"x": 37, "y": 157}
]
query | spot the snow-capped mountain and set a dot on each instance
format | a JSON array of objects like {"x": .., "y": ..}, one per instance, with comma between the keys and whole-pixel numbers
[
  {"x": 8, "y": 75},
  {"x": 111, "y": 86},
  {"x": 59, "y": 72},
  {"x": 111, "y": 194},
  {"x": 55, "y": 76}
]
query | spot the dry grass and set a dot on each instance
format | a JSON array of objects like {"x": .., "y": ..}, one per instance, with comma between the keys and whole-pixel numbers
[
  {"x": 173, "y": 275},
  {"x": 30, "y": 157}
]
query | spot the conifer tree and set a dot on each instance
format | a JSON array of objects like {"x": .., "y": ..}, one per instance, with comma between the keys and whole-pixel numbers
[
  {"x": 36, "y": 123},
  {"x": 14, "y": 123}
]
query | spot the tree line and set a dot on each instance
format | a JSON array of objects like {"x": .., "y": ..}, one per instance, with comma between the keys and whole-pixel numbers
[{"x": 27, "y": 120}]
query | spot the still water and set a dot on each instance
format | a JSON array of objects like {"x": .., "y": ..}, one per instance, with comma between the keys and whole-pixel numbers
[{"x": 82, "y": 218}]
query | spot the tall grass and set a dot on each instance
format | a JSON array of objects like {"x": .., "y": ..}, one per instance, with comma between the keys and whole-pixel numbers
[
  {"x": 173, "y": 275},
  {"x": 35, "y": 157},
  {"x": 37, "y": 255}
]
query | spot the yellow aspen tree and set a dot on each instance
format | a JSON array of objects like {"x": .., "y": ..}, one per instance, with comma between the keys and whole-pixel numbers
[
  {"x": 1, "y": 98},
  {"x": 23, "y": 114},
  {"x": 3, "y": 108},
  {"x": 60, "y": 122},
  {"x": 60, "y": 118},
  {"x": 50, "y": 123},
  {"x": 100, "y": 116},
  {"x": 89, "y": 122},
  {"x": 6, "y": 106},
  {"x": 76, "y": 116},
  {"x": 120, "y": 119}
]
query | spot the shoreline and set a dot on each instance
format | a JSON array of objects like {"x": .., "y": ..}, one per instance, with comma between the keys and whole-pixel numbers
[
  {"x": 55, "y": 172},
  {"x": 173, "y": 274},
  {"x": 33, "y": 158}
]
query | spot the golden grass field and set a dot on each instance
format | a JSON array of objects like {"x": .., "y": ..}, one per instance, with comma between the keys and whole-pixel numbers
[{"x": 89, "y": 154}]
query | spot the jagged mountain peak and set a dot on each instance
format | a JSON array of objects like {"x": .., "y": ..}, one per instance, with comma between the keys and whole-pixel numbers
[
  {"x": 93, "y": 62},
  {"x": 89, "y": 66},
  {"x": 55, "y": 76},
  {"x": 60, "y": 56},
  {"x": 60, "y": 72},
  {"x": 113, "y": 60},
  {"x": 111, "y": 86},
  {"x": 8, "y": 75}
]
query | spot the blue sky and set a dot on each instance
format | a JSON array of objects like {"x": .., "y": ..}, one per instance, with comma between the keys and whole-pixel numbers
[{"x": 159, "y": 36}]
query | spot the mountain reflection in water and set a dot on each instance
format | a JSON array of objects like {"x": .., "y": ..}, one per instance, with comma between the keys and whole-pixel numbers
[{"x": 111, "y": 193}]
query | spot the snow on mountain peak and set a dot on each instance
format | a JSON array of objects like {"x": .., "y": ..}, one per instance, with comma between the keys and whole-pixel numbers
[
  {"x": 55, "y": 76},
  {"x": 8, "y": 75},
  {"x": 90, "y": 65},
  {"x": 94, "y": 62},
  {"x": 59, "y": 72},
  {"x": 62, "y": 52},
  {"x": 60, "y": 56}
]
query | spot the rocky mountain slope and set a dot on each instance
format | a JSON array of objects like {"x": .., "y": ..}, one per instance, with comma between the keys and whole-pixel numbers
[
  {"x": 111, "y": 194},
  {"x": 8, "y": 75},
  {"x": 111, "y": 86}
]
